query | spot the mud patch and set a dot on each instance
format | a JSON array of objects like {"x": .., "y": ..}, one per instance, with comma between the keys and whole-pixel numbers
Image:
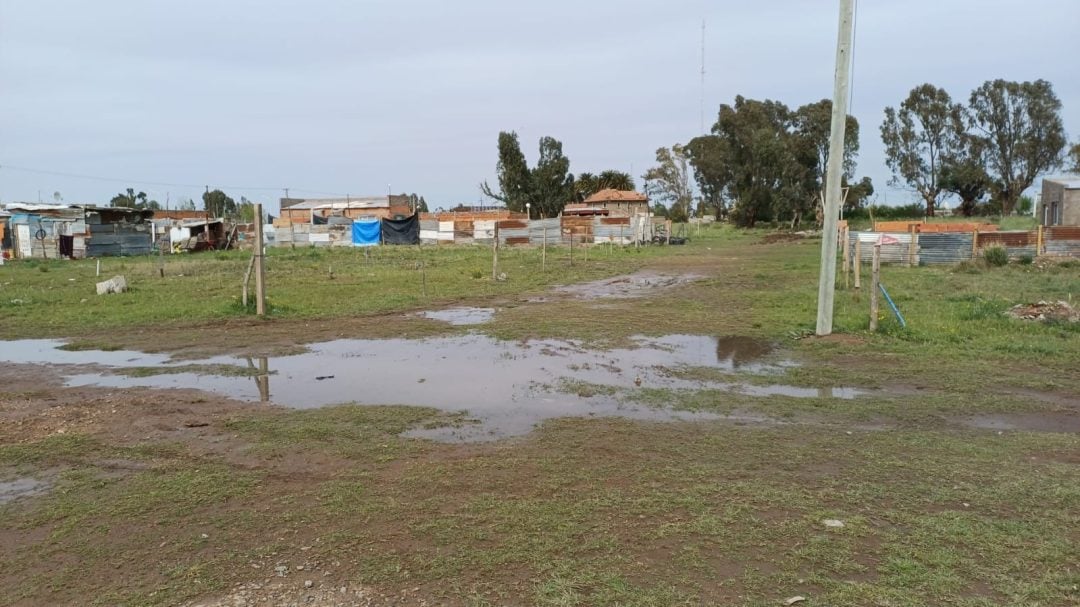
[
  {"x": 1028, "y": 422},
  {"x": 21, "y": 487},
  {"x": 461, "y": 316},
  {"x": 629, "y": 286}
]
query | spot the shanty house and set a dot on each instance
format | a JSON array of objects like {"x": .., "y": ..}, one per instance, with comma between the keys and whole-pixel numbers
[
  {"x": 617, "y": 203},
  {"x": 52, "y": 231},
  {"x": 318, "y": 210},
  {"x": 1060, "y": 202}
]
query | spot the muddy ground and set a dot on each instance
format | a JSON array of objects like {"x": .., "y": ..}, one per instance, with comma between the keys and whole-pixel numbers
[{"x": 184, "y": 496}]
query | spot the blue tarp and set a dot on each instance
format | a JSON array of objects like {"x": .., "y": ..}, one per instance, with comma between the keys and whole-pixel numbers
[{"x": 366, "y": 233}]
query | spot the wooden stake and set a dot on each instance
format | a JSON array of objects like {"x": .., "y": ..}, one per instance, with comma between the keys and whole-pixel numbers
[
  {"x": 1039, "y": 242},
  {"x": 974, "y": 244},
  {"x": 912, "y": 229},
  {"x": 98, "y": 268},
  {"x": 543, "y": 252},
  {"x": 858, "y": 264},
  {"x": 495, "y": 254},
  {"x": 423, "y": 278},
  {"x": 571, "y": 247},
  {"x": 247, "y": 279},
  {"x": 847, "y": 256},
  {"x": 260, "y": 265},
  {"x": 875, "y": 279}
]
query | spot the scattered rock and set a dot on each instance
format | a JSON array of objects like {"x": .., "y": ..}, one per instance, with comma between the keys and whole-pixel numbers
[
  {"x": 116, "y": 284},
  {"x": 308, "y": 583},
  {"x": 1045, "y": 311},
  {"x": 831, "y": 522},
  {"x": 795, "y": 599}
]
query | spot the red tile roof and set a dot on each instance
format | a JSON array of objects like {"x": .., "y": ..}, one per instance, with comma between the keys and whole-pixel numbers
[{"x": 611, "y": 195}]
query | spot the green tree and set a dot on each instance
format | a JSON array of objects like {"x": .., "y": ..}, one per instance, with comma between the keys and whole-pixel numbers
[
  {"x": 812, "y": 128},
  {"x": 1074, "y": 158},
  {"x": 1019, "y": 124},
  {"x": 710, "y": 158},
  {"x": 965, "y": 175},
  {"x": 920, "y": 138},
  {"x": 548, "y": 187},
  {"x": 1025, "y": 205},
  {"x": 218, "y": 204},
  {"x": 515, "y": 182},
  {"x": 587, "y": 184},
  {"x": 128, "y": 199},
  {"x": 858, "y": 194},
  {"x": 659, "y": 209},
  {"x": 552, "y": 183},
  {"x": 670, "y": 181},
  {"x": 245, "y": 211},
  {"x": 132, "y": 200},
  {"x": 754, "y": 160},
  {"x": 417, "y": 203},
  {"x": 185, "y": 204}
]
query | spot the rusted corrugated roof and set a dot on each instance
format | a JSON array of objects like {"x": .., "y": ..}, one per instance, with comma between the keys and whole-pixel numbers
[{"x": 612, "y": 195}]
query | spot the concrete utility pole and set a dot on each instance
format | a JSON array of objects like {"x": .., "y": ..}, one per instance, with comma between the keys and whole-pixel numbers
[{"x": 827, "y": 279}]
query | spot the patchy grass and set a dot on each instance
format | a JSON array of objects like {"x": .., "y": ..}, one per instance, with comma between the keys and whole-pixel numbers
[
  {"x": 204, "y": 288},
  {"x": 602, "y": 511}
]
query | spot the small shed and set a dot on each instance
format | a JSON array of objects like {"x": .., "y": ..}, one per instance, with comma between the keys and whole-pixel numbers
[
  {"x": 198, "y": 235},
  {"x": 46, "y": 231},
  {"x": 116, "y": 231},
  {"x": 1059, "y": 204}
]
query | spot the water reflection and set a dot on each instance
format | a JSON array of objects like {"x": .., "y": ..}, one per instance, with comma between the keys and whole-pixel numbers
[{"x": 262, "y": 378}]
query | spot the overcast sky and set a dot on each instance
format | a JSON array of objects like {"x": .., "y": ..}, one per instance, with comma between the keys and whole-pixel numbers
[{"x": 350, "y": 96}]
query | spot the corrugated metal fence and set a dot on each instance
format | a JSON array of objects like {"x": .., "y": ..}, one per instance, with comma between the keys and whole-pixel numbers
[{"x": 955, "y": 247}]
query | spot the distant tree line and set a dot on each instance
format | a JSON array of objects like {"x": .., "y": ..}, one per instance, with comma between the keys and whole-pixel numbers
[{"x": 763, "y": 161}]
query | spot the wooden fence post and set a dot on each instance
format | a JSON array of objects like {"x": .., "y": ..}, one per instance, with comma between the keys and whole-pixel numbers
[
  {"x": 912, "y": 230},
  {"x": 845, "y": 242},
  {"x": 543, "y": 252},
  {"x": 875, "y": 279},
  {"x": 857, "y": 262},
  {"x": 495, "y": 253},
  {"x": 260, "y": 264},
  {"x": 974, "y": 244},
  {"x": 1039, "y": 242}
]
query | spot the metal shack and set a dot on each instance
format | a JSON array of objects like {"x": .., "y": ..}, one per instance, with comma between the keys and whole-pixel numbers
[
  {"x": 38, "y": 230},
  {"x": 114, "y": 231},
  {"x": 52, "y": 231}
]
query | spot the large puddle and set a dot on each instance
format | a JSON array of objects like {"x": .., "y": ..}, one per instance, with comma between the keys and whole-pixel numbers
[{"x": 507, "y": 386}]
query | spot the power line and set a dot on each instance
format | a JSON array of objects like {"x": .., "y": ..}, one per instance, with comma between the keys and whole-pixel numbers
[{"x": 155, "y": 183}]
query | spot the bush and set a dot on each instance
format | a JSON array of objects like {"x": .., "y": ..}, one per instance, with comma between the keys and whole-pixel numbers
[
  {"x": 1026, "y": 260},
  {"x": 996, "y": 256}
]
